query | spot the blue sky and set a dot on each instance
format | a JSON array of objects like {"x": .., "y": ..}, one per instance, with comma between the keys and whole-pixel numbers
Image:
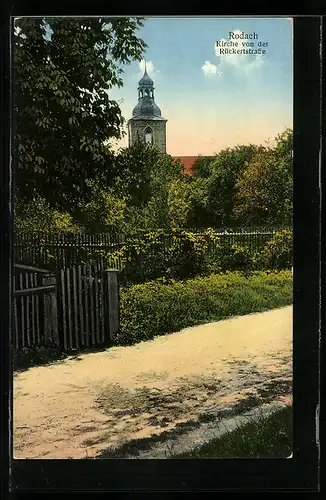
[{"x": 211, "y": 100}]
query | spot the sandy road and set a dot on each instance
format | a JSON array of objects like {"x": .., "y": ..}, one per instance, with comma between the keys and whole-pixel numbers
[{"x": 78, "y": 407}]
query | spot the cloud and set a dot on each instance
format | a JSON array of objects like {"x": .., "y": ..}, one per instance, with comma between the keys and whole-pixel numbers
[
  {"x": 149, "y": 66},
  {"x": 245, "y": 63},
  {"x": 210, "y": 69}
]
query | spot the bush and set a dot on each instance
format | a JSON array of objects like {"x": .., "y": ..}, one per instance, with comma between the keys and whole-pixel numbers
[
  {"x": 178, "y": 254},
  {"x": 237, "y": 258},
  {"x": 165, "y": 305},
  {"x": 182, "y": 254},
  {"x": 277, "y": 252}
]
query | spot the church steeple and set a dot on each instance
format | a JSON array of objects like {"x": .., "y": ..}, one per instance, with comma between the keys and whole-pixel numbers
[
  {"x": 147, "y": 122},
  {"x": 145, "y": 86}
]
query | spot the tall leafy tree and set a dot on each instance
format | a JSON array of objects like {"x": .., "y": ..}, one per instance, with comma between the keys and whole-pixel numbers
[
  {"x": 265, "y": 187},
  {"x": 64, "y": 69},
  {"x": 227, "y": 166}
]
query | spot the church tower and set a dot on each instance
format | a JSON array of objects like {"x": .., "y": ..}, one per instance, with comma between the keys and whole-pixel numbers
[{"x": 147, "y": 123}]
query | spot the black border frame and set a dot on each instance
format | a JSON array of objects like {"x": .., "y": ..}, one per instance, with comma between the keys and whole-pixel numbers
[{"x": 299, "y": 473}]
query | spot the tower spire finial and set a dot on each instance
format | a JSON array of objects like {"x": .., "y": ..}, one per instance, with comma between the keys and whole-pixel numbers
[{"x": 145, "y": 65}]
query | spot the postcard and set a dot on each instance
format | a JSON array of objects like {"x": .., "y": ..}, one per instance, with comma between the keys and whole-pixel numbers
[{"x": 153, "y": 238}]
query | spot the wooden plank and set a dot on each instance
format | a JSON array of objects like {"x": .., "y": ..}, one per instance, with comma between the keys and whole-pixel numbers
[
  {"x": 76, "y": 329},
  {"x": 37, "y": 311},
  {"x": 40, "y": 290},
  {"x": 97, "y": 305},
  {"x": 81, "y": 309},
  {"x": 64, "y": 308},
  {"x": 22, "y": 319},
  {"x": 31, "y": 268},
  {"x": 31, "y": 284},
  {"x": 28, "y": 329},
  {"x": 86, "y": 292},
  {"x": 102, "y": 308},
  {"x": 113, "y": 302},
  {"x": 70, "y": 327},
  {"x": 91, "y": 291},
  {"x": 16, "y": 326}
]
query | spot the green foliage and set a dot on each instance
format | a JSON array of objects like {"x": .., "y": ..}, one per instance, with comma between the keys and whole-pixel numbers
[
  {"x": 238, "y": 257},
  {"x": 182, "y": 254},
  {"x": 176, "y": 254},
  {"x": 179, "y": 204},
  {"x": 145, "y": 192},
  {"x": 200, "y": 215},
  {"x": 37, "y": 215},
  {"x": 63, "y": 70},
  {"x": 104, "y": 211},
  {"x": 227, "y": 166},
  {"x": 165, "y": 305},
  {"x": 203, "y": 167},
  {"x": 264, "y": 188},
  {"x": 277, "y": 253}
]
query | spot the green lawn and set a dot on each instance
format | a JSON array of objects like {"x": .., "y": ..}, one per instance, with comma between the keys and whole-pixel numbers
[{"x": 267, "y": 437}]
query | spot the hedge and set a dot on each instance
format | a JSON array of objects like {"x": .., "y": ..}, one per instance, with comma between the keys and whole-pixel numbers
[{"x": 163, "y": 306}]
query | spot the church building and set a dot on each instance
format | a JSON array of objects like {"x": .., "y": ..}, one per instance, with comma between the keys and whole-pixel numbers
[{"x": 147, "y": 123}]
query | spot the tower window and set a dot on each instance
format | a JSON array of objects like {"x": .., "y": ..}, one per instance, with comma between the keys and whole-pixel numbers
[{"x": 148, "y": 135}]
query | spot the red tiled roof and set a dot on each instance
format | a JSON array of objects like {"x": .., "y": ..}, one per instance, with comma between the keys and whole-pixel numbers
[{"x": 187, "y": 162}]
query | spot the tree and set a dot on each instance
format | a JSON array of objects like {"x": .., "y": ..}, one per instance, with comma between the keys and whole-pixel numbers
[
  {"x": 227, "y": 166},
  {"x": 63, "y": 71},
  {"x": 203, "y": 167},
  {"x": 37, "y": 215},
  {"x": 265, "y": 187},
  {"x": 179, "y": 203},
  {"x": 199, "y": 215},
  {"x": 137, "y": 197}
]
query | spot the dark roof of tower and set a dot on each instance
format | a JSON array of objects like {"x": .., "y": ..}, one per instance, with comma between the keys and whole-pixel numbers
[
  {"x": 146, "y": 107},
  {"x": 146, "y": 81}
]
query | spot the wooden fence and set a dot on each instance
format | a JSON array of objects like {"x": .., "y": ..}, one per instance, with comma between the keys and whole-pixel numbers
[
  {"x": 88, "y": 299},
  {"x": 61, "y": 250},
  {"x": 35, "y": 307},
  {"x": 74, "y": 308}
]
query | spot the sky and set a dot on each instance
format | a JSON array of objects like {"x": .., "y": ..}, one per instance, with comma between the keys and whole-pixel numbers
[{"x": 213, "y": 100}]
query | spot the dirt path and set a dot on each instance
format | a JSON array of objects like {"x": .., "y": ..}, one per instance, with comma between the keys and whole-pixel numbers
[{"x": 121, "y": 397}]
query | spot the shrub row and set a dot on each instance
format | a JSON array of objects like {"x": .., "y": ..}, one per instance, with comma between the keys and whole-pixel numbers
[
  {"x": 165, "y": 305},
  {"x": 183, "y": 254}
]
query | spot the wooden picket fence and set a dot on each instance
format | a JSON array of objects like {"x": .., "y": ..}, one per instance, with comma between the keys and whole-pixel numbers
[
  {"x": 60, "y": 250},
  {"x": 34, "y": 307},
  {"x": 73, "y": 308},
  {"x": 88, "y": 305}
]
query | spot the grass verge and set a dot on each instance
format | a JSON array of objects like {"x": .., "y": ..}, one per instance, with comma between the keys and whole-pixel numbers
[{"x": 267, "y": 437}]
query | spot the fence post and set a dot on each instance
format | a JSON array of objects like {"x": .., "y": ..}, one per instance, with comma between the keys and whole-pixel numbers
[
  {"x": 50, "y": 310},
  {"x": 112, "y": 291}
]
